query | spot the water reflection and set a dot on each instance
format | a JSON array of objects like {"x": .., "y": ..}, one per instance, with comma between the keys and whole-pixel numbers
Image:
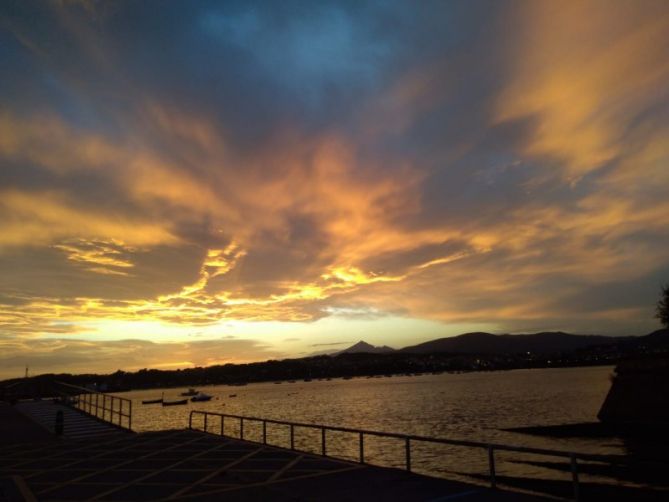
[{"x": 473, "y": 406}]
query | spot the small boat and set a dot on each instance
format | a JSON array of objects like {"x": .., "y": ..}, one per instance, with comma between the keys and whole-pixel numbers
[
  {"x": 190, "y": 392},
  {"x": 153, "y": 401},
  {"x": 232, "y": 395},
  {"x": 201, "y": 396},
  {"x": 175, "y": 403}
]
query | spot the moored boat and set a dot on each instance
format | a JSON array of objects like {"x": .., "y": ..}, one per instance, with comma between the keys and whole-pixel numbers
[
  {"x": 201, "y": 396},
  {"x": 175, "y": 403},
  {"x": 153, "y": 401}
]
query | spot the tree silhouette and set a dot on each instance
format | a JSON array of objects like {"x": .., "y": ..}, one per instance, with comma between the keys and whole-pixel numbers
[{"x": 663, "y": 307}]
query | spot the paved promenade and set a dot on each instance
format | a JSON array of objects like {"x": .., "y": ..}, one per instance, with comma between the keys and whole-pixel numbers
[{"x": 191, "y": 465}]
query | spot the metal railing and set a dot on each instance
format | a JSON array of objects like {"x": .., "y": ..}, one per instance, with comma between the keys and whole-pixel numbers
[
  {"x": 106, "y": 407},
  {"x": 408, "y": 440}
]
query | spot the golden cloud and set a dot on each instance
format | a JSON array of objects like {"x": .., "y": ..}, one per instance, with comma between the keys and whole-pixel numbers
[
  {"x": 34, "y": 218},
  {"x": 109, "y": 256},
  {"x": 583, "y": 70}
]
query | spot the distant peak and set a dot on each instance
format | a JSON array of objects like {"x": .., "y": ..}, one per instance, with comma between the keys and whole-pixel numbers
[
  {"x": 362, "y": 343},
  {"x": 363, "y": 346}
]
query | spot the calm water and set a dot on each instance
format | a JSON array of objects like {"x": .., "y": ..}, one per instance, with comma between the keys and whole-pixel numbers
[{"x": 475, "y": 406}]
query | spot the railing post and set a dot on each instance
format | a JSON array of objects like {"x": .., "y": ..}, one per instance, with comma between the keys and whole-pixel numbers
[
  {"x": 491, "y": 466},
  {"x": 130, "y": 415},
  {"x": 97, "y": 406},
  {"x": 120, "y": 412},
  {"x": 104, "y": 406},
  {"x": 222, "y": 425},
  {"x": 206, "y": 415},
  {"x": 241, "y": 428},
  {"x": 574, "y": 476},
  {"x": 407, "y": 447},
  {"x": 292, "y": 437},
  {"x": 190, "y": 420},
  {"x": 264, "y": 432},
  {"x": 361, "y": 445},
  {"x": 323, "y": 449}
]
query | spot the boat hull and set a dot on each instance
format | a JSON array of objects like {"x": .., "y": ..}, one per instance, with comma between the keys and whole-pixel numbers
[{"x": 175, "y": 403}]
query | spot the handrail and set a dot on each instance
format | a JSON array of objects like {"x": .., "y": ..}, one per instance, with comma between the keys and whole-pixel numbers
[
  {"x": 88, "y": 401},
  {"x": 412, "y": 437},
  {"x": 408, "y": 439}
]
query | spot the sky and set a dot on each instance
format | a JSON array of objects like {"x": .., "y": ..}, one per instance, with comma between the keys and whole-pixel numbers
[{"x": 194, "y": 183}]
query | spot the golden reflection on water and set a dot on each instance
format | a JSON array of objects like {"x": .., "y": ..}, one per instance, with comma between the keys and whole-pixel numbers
[{"x": 474, "y": 406}]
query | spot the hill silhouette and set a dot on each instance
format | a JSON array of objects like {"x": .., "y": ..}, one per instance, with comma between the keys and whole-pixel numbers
[
  {"x": 467, "y": 352},
  {"x": 538, "y": 343}
]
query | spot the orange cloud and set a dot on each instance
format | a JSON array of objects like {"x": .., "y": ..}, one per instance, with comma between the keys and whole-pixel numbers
[
  {"x": 43, "y": 217},
  {"x": 583, "y": 70}
]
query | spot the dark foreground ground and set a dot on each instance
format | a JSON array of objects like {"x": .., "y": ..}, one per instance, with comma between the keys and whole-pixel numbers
[{"x": 185, "y": 464}]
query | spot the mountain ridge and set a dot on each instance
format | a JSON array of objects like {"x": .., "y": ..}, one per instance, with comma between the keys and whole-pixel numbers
[
  {"x": 488, "y": 343},
  {"x": 480, "y": 342}
]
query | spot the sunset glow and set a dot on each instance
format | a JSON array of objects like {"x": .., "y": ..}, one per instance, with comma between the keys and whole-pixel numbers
[{"x": 229, "y": 182}]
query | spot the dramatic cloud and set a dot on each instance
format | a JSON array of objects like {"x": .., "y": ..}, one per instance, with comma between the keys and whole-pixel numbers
[{"x": 289, "y": 172}]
